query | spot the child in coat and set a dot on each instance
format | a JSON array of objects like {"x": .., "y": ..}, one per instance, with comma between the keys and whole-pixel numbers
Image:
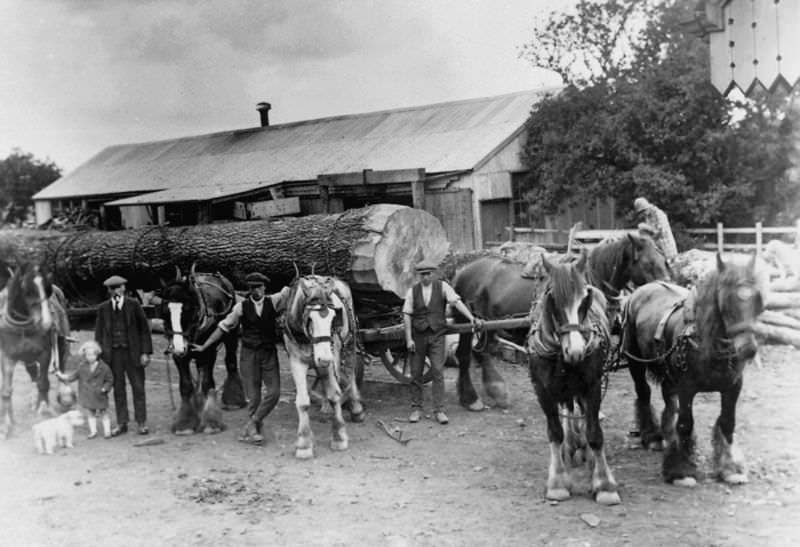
[{"x": 94, "y": 382}]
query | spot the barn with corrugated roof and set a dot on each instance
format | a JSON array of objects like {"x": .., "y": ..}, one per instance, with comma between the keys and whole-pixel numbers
[{"x": 458, "y": 160}]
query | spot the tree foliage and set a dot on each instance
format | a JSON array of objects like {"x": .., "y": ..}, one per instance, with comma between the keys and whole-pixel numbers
[
  {"x": 21, "y": 176},
  {"x": 639, "y": 116}
]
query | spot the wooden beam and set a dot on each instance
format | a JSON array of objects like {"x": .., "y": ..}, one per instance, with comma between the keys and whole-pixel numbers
[
  {"x": 418, "y": 194},
  {"x": 325, "y": 198},
  {"x": 204, "y": 213},
  {"x": 368, "y": 176}
]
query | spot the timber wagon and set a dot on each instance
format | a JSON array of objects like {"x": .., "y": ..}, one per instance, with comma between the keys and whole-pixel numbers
[{"x": 374, "y": 249}]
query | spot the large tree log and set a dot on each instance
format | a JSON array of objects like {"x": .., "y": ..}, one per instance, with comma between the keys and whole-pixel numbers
[
  {"x": 779, "y": 319},
  {"x": 781, "y": 300},
  {"x": 374, "y": 249},
  {"x": 778, "y": 335}
]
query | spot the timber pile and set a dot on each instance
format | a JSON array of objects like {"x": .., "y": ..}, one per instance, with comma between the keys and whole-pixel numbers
[
  {"x": 780, "y": 322},
  {"x": 374, "y": 249}
]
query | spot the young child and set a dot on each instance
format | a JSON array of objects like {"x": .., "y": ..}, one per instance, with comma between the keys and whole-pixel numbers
[{"x": 94, "y": 382}]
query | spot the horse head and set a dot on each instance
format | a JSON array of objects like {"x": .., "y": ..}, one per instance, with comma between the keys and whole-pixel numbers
[
  {"x": 645, "y": 261},
  {"x": 616, "y": 262},
  {"x": 26, "y": 297},
  {"x": 738, "y": 292},
  {"x": 566, "y": 308},
  {"x": 180, "y": 306},
  {"x": 316, "y": 312}
]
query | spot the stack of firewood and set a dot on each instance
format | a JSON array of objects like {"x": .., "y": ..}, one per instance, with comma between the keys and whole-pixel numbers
[{"x": 780, "y": 322}]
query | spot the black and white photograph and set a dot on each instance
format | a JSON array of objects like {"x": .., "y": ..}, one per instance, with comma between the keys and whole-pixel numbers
[{"x": 418, "y": 273}]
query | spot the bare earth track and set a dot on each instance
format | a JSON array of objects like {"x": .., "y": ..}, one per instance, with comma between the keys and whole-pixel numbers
[{"x": 477, "y": 481}]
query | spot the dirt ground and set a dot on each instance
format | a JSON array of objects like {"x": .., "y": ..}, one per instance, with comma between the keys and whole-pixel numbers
[{"x": 477, "y": 481}]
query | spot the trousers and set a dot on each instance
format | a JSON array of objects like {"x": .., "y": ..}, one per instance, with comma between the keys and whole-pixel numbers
[{"x": 121, "y": 366}]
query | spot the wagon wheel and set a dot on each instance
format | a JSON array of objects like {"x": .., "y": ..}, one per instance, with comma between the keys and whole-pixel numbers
[{"x": 398, "y": 363}]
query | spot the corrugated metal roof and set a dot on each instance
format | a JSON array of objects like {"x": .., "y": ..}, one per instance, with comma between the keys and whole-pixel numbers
[{"x": 442, "y": 137}]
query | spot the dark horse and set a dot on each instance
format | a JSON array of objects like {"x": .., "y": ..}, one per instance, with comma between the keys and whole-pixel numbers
[
  {"x": 192, "y": 306},
  {"x": 33, "y": 330},
  {"x": 691, "y": 342},
  {"x": 494, "y": 288},
  {"x": 568, "y": 348}
]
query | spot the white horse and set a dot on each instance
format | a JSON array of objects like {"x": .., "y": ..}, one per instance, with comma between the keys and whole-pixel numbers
[{"x": 319, "y": 332}]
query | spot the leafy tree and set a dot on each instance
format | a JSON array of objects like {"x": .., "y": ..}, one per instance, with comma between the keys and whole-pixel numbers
[
  {"x": 21, "y": 176},
  {"x": 639, "y": 116}
]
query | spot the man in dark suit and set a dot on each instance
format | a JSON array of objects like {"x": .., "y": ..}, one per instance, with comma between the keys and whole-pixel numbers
[{"x": 123, "y": 332}]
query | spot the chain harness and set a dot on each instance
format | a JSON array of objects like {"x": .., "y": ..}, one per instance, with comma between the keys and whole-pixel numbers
[{"x": 675, "y": 358}]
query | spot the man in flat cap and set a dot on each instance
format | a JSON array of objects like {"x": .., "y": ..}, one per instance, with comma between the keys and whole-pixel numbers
[
  {"x": 425, "y": 326},
  {"x": 259, "y": 356},
  {"x": 123, "y": 332}
]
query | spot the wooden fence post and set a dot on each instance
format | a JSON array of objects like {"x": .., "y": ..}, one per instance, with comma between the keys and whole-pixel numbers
[
  {"x": 759, "y": 238},
  {"x": 720, "y": 238},
  {"x": 797, "y": 234}
]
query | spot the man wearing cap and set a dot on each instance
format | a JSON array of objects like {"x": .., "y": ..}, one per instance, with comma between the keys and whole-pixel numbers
[
  {"x": 653, "y": 221},
  {"x": 123, "y": 332},
  {"x": 259, "y": 356},
  {"x": 425, "y": 326}
]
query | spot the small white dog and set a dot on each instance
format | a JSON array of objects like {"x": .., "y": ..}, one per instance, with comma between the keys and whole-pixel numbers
[{"x": 56, "y": 431}]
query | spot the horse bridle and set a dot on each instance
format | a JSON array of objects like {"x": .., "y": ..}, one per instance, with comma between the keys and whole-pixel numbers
[{"x": 323, "y": 310}]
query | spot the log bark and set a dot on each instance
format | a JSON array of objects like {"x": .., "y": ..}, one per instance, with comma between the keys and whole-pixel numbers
[
  {"x": 778, "y": 335},
  {"x": 781, "y": 300},
  {"x": 788, "y": 284},
  {"x": 792, "y": 313},
  {"x": 779, "y": 319},
  {"x": 374, "y": 249}
]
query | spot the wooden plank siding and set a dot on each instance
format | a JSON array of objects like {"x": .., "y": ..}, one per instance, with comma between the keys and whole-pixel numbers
[{"x": 453, "y": 208}]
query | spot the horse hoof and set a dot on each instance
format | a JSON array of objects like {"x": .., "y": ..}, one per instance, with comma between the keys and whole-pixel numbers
[
  {"x": 358, "y": 418},
  {"x": 477, "y": 406},
  {"x": 608, "y": 498},
  {"x": 304, "y": 453},
  {"x": 655, "y": 446},
  {"x": 557, "y": 494},
  {"x": 184, "y": 432},
  {"x": 686, "y": 482},
  {"x": 735, "y": 478},
  {"x": 339, "y": 445}
]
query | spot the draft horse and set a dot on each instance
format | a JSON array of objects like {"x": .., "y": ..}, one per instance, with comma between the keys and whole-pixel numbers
[
  {"x": 33, "y": 330},
  {"x": 192, "y": 306},
  {"x": 692, "y": 342},
  {"x": 319, "y": 329},
  {"x": 494, "y": 288},
  {"x": 568, "y": 346}
]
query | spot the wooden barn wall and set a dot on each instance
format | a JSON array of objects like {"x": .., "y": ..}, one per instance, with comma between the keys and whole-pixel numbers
[
  {"x": 491, "y": 183},
  {"x": 452, "y": 208}
]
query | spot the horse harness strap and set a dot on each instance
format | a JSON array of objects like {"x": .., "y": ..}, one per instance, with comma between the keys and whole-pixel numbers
[{"x": 676, "y": 354}]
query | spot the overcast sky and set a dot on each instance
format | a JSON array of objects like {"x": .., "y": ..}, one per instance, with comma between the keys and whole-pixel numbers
[{"x": 79, "y": 75}]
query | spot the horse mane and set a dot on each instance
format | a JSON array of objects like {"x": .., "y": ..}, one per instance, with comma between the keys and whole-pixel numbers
[
  {"x": 565, "y": 282},
  {"x": 607, "y": 259},
  {"x": 320, "y": 287}
]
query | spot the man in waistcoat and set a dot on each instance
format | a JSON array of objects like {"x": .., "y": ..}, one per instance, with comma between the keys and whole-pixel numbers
[
  {"x": 123, "y": 332},
  {"x": 425, "y": 326},
  {"x": 259, "y": 356}
]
